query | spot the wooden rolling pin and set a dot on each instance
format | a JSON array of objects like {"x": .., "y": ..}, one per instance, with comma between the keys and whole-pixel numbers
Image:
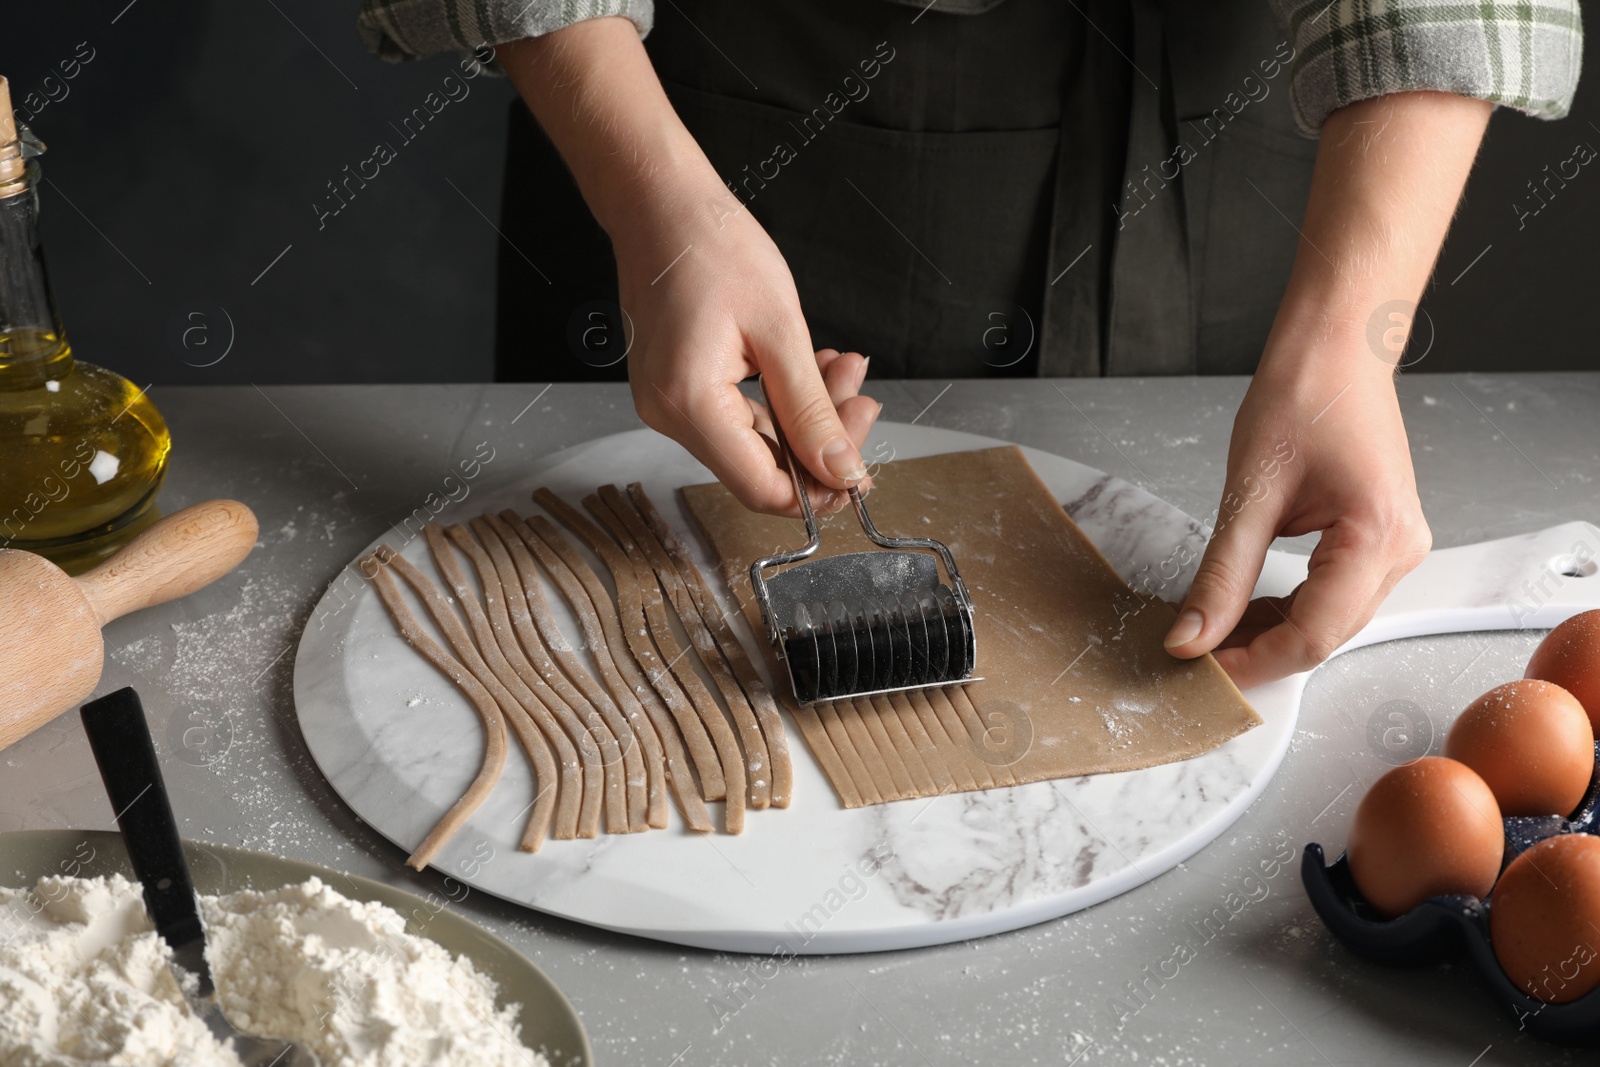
[{"x": 50, "y": 647}]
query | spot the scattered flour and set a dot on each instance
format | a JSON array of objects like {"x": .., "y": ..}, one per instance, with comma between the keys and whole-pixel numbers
[{"x": 86, "y": 980}]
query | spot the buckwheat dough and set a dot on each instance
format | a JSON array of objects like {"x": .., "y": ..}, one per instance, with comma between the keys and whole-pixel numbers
[
  {"x": 531, "y": 620},
  {"x": 927, "y": 751},
  {"x": 543, "y": 645},
  {"x": 983, "y": 772},
  {"x": 494, "y": 727},
  {"x": 894, "y": 732},
  {"x": 636, "y": 632},
  {"x": 1061, "y": 638},
  {"x": 961, "y": 700},
  {"x": 957, "y": 761},
  {"x": 517, "y": 667},
  {"x": 710, "y": 753},
  {"x": 932, "y": 709},
  {"x": 554, "y": 719},
  {"x": 755, "y": 687},
  {"x": 871, "y": 724},
  {"x": 862, "y": 783},
  {"x": 758, "y": 775},
  {"x": 602, "y": 633},
  {"x": 557, "y": 777},
  {"x": 524, "y": 632},
  {"x": 705, "y": 705}
]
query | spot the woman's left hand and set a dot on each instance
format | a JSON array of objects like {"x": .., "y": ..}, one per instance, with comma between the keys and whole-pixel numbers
[{"x": 1318, "y": 445}]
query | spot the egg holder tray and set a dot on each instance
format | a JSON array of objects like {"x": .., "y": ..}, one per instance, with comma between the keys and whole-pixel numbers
[{"x": 1441, "y": 927}]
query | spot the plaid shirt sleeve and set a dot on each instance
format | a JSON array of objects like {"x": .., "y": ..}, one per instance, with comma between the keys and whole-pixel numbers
[
  {"x": 409, "y": 29},
  {"x": 1525, "y": 55}
]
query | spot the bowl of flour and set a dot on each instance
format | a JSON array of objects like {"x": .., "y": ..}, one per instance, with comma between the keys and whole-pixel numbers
[{"x": 361, "y": 973}]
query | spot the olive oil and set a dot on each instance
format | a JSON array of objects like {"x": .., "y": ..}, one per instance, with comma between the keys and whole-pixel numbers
[{"x": 82, "y": 450}]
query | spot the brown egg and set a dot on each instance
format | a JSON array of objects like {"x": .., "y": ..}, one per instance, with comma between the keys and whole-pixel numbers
[
  {"x": 1531, "y": 742},
  {"x": 1426, "y": 828},
  {"x": 1544, "y": 920},
  {"x": 1569, "y": 656}
]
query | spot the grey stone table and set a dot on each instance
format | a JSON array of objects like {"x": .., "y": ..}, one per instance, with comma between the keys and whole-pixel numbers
[{"x": 328, "y": 468}]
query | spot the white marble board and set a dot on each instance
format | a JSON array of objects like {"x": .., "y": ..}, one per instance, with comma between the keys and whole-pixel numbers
[{"x": 399, "y": 744}]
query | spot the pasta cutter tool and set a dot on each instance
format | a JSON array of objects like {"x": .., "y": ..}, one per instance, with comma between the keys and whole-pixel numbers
[{"x": 864, "y": 623}]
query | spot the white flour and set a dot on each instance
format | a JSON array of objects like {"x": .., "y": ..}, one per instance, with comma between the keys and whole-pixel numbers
[{"x": 84, "y": 979}]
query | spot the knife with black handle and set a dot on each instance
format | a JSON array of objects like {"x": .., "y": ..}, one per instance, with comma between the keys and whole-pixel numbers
[{"x": 120, "y": 739}]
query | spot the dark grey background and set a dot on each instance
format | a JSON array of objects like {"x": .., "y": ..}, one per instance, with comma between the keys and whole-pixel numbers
[{"x": 188, "y": 153}]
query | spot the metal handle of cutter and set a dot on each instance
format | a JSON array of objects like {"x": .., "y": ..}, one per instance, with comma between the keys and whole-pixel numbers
[
  {"x": 814, "y": 536},
  {"x": 797, "y": 474},
  {"x": 885, "y": 541}
]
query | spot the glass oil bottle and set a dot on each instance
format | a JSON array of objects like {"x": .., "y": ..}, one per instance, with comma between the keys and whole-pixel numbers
[{"x": 82, "y": 450}]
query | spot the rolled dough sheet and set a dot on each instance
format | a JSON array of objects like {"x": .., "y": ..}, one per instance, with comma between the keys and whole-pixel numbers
[{"x": 1076, "y": 680}]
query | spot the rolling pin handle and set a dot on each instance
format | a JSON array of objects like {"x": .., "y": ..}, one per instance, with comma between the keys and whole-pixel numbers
[{"x": 183, "y": 552}]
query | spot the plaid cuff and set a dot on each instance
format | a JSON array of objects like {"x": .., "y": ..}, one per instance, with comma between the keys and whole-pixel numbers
[
  {"x": 1523, "y": 55},
  {"x": 397, "y": 30}
]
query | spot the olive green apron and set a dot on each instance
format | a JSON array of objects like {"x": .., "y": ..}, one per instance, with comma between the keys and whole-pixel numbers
[{"x": 986, "y": 187}]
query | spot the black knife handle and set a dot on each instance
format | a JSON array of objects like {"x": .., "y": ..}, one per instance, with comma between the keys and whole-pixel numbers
[{"x": 120, "y": 738}]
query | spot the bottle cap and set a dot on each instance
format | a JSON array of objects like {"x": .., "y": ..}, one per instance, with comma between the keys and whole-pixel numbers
[{"x": 12, "y": 163}]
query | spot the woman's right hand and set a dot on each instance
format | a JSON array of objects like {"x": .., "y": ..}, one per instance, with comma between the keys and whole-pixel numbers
[
  {"x": 708, "y": 297},
  {"x": 712, "y": 303}
]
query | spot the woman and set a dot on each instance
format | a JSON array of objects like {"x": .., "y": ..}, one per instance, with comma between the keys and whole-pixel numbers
[{"x": 961, "y": 187}]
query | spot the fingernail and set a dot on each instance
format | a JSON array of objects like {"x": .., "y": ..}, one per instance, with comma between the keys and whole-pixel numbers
[
  {"x": 843, "y": 461},
  {"x": 1186, "y": 629},
  {"x": 875, "y": 414}
]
